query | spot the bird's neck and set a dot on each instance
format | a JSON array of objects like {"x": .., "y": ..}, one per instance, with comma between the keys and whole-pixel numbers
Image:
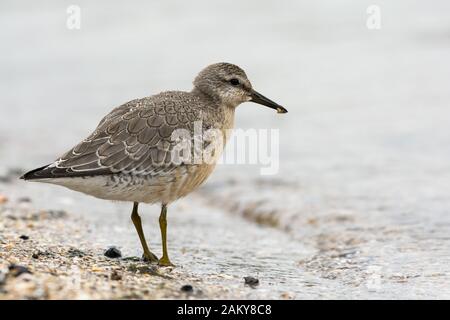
[
  {"x": 221, "y": 115},
  {"x": 228, "y": 117},
  {"x": 207, "y": 98}
]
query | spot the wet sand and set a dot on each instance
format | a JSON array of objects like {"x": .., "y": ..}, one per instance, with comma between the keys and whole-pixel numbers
[{"x": 64, "y": 251}]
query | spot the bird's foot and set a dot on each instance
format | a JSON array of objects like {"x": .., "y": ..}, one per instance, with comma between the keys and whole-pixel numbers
[
  {"x": 165, "y": 262},
  {"x": 150, "y": 257}
]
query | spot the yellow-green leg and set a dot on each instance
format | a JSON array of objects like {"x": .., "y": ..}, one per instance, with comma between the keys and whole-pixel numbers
[
  {"x": 148, "y": 255},
  {"x": 164, "y": 261}
]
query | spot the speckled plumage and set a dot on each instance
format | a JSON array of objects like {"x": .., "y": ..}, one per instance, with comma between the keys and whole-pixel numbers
[{"x": 130, "y": 155}]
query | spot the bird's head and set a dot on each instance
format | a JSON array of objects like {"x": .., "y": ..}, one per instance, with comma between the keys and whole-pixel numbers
[{"x": 227, "y": 83}]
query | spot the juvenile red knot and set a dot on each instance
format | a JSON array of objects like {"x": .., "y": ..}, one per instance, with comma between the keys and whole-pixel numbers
[{"x": 130, "y": 155}]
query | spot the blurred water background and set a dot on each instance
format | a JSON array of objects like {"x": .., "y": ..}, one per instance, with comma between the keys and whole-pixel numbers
[{"x": 363, "y": 187}]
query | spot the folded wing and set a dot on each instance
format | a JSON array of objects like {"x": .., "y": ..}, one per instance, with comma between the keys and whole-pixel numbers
[{"x": 133, "y": 138}]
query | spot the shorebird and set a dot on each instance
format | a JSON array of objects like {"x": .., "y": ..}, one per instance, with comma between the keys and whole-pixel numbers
[{"x": 129, "y": 156}]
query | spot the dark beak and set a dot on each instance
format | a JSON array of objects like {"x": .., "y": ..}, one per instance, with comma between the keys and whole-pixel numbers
[{"x": 257, "y": 97}]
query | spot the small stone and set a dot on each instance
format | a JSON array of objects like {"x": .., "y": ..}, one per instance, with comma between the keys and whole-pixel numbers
[
  {"x": 24, "y": 237},
  {"x": 116, "y": 276},
  {"x": 23, "y": 199},
  {"x": 287, "y": 296},
  {"x": 251, "y": 281},
  {"x": 16, "y": 270},
  {"x": 113, "y": 252},
  {"x": 187, "y": 288}
]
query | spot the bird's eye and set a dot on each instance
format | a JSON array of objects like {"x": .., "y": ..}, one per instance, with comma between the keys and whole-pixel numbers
[{"x": 234, "y": 82}]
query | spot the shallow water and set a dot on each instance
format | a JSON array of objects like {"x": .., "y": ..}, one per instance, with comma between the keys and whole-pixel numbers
[{"x": 360, "y": 204}]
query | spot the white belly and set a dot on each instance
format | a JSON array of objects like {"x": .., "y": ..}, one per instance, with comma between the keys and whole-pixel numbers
[{"x": 157, "y": 189}]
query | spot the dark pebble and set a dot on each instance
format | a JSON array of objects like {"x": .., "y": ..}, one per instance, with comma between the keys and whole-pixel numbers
[
  {"x": 251, "y": 281},
  {"x": 16, "y": 270},
  {"x": 113, "y": 252},
  {"x": 187, "y": 288},
  {"x": 24, "y": 199},
  {"x": 24, "y": 237},
  {"x": 116, "y": 276}
]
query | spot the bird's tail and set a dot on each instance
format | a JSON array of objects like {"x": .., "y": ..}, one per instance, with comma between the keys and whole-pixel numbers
[{"x": 33, "y": 174}]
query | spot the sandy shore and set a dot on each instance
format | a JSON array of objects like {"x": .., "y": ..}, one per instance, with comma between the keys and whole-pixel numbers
[
  {"x": 57, "y": 254},
  {"x": 37, "y": 261}
]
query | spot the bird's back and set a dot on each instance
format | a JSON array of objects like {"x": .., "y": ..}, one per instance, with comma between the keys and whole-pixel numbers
[{"x": 134, "y": 137}]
